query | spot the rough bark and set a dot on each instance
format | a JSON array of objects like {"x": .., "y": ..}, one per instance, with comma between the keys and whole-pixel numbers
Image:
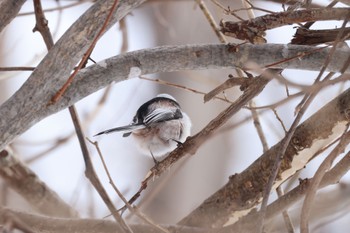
[
  {"x": 30, "y": 103},
  {"x": 244, "y": 190}
]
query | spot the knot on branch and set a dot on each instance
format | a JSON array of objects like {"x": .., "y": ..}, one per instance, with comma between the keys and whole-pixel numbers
[{"x": 243, "y": 31}]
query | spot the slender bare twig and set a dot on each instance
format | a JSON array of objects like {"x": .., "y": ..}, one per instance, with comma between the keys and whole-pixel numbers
[
  {"x": 91, "y": 174},
  {"x": 215, "y": 28},
  {"x": 279, "y": 119},
  {"x": 18, "y": 68},
  {"x": 308, "y": 98},
  {"x": 132, "y": 209},
  {"x": 247, "y": 4},
  {"x": 278, "y": 103},
  {"x": 211, "y": 21},
  {"x": 42, "y": 25},
  {"x": 60, "y": 8},
  {"x": 192, "y": 143},
  {"x": 263, "y": 141},
  {"x": 124, "y": 30},
  {"x": 231, "y": 82},
  {"x": 287, "y": 221},
  {"x": 162, "y": 82},
  {"x": 84, "y": 59},
  {"x": 86, "y": 121},
  {"x": 258, "y": 127}
]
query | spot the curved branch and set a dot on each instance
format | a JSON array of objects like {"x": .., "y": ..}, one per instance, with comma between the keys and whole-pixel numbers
[
  {"x": 30, "y": 104},
  {"x": 51, "y": 73}
]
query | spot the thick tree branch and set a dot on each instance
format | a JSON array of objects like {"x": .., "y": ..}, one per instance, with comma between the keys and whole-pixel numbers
[
  {"x": 246, "y": 224},
  {"x": 61, "y": 59},
  {"x": 44, "y": 224},
  {"x": 244, "y": 191},
  {"x": 27, "y": 184},
  {"x": 8, "y": 11},
  {"x": 30, "y": 104},
  {"x": 253, "y": 30},
  {"x": 306, "y": 36}
]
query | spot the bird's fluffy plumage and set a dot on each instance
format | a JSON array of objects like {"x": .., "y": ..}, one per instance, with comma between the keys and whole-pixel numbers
[{"x": 158, "y": 125}]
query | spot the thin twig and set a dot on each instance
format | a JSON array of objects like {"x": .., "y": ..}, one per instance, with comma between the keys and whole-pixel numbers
[
  {"x": 211, "y": 21},
  {"x": 91, "y": 174},
  {"x": 57, "y": 8},
  {"x": 305, "y": 213},
  {"x": 258, "y": 127},
  {"x": 231, "y": 82},
  {"x": 279, "y": 119},
  {"x": 307, "y": 101},
  {"x": 83, "y": 61},
  {"x": 18, "y": 68},
  {"x": 132, "y": 209},
  {"x": 123, "y": 28},
  {"x": 286, "y": 218},
  {"x": 250, "y": 12},
  {"x": 162, "y": 82},
  {"x": 42, "y": 25},
  {"x": 191, "y": 145}
]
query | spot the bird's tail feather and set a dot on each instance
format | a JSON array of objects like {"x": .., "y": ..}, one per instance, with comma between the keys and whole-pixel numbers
[{"x": 127, "y": 129}]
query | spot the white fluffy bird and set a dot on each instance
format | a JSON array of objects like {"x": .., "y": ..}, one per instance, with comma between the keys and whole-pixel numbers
[{"x": 158, "y": 126}]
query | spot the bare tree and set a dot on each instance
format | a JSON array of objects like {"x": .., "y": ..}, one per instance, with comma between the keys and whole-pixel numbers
[{"x": 240, "y": 46}]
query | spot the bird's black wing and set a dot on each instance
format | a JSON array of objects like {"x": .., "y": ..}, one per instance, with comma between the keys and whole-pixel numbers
[{"x": 161, "y": 115}]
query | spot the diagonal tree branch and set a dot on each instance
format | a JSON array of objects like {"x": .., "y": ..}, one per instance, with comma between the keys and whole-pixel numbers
[
  {"x": 27, "y": 184},
  {"x": 243, "y": 191},
  {"x": 44, "y": 82},
  {"x": 8, "y": 11},
  {"x": 287, "y": 200}
]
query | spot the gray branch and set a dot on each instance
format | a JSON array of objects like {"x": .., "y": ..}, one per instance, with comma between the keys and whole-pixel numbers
[
  {"x": 243, "y": 191},
  {"x": 53, "y": 70},
  {"x": 8, "y": 11},
  {"x": 27, "y": 184},
  {"x": 44, "y": 224},
  {"x": 30, "y": 104}
]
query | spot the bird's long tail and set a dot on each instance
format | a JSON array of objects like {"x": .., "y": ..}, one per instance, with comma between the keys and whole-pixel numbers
[{"x": 126, "y": 129}]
